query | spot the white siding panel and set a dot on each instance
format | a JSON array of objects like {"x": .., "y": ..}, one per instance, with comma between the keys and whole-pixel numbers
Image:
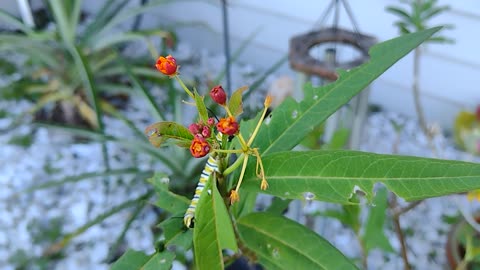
[{"x": 396, "y": 98}]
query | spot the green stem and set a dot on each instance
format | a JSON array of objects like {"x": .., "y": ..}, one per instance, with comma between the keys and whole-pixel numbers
[
  {"x": 234, "y": 166},
  {"x": 184, "y": 87}
]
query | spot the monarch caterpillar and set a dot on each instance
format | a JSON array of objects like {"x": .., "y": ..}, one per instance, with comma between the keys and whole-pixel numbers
[{"x": 210, "y": 167}]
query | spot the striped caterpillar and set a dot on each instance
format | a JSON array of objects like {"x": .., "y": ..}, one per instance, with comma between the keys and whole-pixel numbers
[{"x": 210, "y": 167}]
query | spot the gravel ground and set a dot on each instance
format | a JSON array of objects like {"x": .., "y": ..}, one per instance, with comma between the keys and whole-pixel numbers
[{"x": 28, "y": 218}]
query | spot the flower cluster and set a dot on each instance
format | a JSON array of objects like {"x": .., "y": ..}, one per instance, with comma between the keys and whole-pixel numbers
[
  {"x": 206, "y": 129},
  {"x": 201, "y": 133}
]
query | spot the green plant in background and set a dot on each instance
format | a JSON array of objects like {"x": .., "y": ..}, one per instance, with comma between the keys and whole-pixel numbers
[
  {"x": 463, "y": 246},
  {"x": 226, "y": 229},
  {"x": 417, "y": 18},
  {"x": 66, "y": 70},
  {"x": 467, "y": 131},
  {"x": 370, "y": 234}
]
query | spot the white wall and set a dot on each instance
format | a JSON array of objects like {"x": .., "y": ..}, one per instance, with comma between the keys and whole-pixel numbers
[{"x": 450, "y": 74}]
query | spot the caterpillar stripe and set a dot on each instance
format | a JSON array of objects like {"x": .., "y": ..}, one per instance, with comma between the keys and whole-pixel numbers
[{"x": 210, "y": 167}]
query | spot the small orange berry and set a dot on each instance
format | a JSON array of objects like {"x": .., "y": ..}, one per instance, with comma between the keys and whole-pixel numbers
[
  {"x": 167, "y": 65},
  {"x": 228, "y": 126}
]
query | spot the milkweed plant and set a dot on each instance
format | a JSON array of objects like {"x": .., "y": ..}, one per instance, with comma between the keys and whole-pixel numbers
[{"x": 246, "y": 157}]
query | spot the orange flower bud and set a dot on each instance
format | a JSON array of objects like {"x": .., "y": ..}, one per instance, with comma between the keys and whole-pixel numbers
[
  {"x": 218, "y": 95},
  {"x": 167, "y": 65},
  {"x": 228, "y": 126},
  {"x": 199, "y": 147}
]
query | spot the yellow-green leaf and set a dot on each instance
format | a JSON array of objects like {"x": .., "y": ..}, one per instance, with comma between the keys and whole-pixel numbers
[
  {"x": 202, "y": 109},
  {"x": 235, "y": 102},
  {"x": 160, "y": 132}
]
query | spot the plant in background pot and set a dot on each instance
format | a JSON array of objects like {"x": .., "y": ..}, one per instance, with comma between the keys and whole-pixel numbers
[
  {"x": 467, "y": 131},
  {"x": 463, "y": 245},
  {"x": 66, "y": 68}
]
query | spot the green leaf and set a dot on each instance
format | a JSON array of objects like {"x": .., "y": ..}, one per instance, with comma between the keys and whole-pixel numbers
[
  {"x": 137, "y": 260},
  {"x": 401, "y": 13},
  {"x": 60, "y": 11},
  {"x": 159, "y": 261},
  {"x": 278, "y": 206},
  {"x": 246, "y": 204},
  {"x": 374, "y": 236},
  {"x": 235, "y": 102},
  {"x": 339, "y": 140},
  {"x": 348, "y": 215},
  {"x": 160, "y": 132},
  {"x": 284, "y": 244},
  {"x": 176, "y": 234},
  {"x": 336, "y": 175},
  {"x": 102, "y": 17},
  {"x": 202, "y": 109},
  {"x": 15, "y": 22},
  {"x": 157, "y": 112},
  {"x": 292, "y": 121},
  {"x": 130, "y": 260},
  {"x": 213, "y": 231},
  {"x": 167, "y": 200},
  {"x": 81, "y": 177}
]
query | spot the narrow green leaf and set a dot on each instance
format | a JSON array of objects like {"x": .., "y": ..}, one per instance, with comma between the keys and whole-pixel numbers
[
  {"x": 278, "y": 206},
  {"x": 102, "y": 17},
  {"x": 160, "y": 132},
  {"x": 81, "y": 177},
  {"x": 246, "y": 204},
  {"x": 348, "y": 215},
  {"x": 167, "y": 200},
  {"x": 336, "y": 175},
  {"x": 339, "y": 140},
  {"x": 157, "y": 112},
  {"x": 130, "y": 260},
  {"x": 235, "y": 103},
  {"x": 202, "y": 109},
  {"x": 284, "y": 244},
  {"x": 75, "y": 16},
  {"x": 138, "y": 260},
  {"x": 175, "y": 232},
  {"x": 83, "y": 67},
  {"x": 374, "y": 236},
  {"x": 213, "y": 231},
  {"x": 15, "y": 22},
  {"x": 401, "y": 13},
  {"x": 134, "y": 145},
  {"x": 292, "y": 121},
  {"x": 159, "y": 261},
  {"x": 62, "y": 22}
]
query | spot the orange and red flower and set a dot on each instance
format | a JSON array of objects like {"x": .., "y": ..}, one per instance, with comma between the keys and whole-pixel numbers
[
  {"x": 167, "y": 65},
  {"x": 228, "y": 126},
  {"x": 199, "y": 147}
]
